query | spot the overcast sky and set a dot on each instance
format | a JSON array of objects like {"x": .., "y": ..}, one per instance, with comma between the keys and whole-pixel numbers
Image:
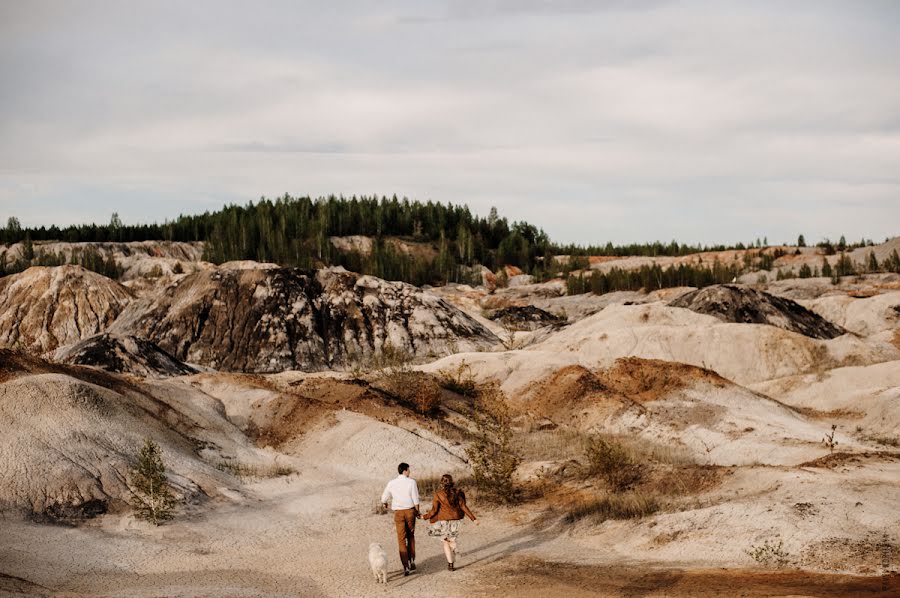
[{"x": 618, "y": 120}]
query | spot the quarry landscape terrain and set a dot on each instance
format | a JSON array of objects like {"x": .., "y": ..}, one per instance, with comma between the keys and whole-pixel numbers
[{"x": 734, "y": 438}]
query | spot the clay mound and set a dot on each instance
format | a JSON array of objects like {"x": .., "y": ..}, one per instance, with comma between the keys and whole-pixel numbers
[
  {"x": 365, "y": 448},
  {"x": 646, "y": 380},
  {"x": 692, "y": 410},
  {"x": 70, "y": 439},
  {"x": 124, "y": 354},
  {"x": 277, "y": 319},
  {"x": 565, "y": 389},
  {"x": 863, "y": 316},
  {"x": 44, "y": 308},
  {"x": 525, "y": 317},
  {"x": 742, "y": 305}
]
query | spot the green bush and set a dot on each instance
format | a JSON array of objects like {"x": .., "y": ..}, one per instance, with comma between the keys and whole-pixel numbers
[
  {"x": 151, "y": 495},
  {"x": 491, "y": 454}
]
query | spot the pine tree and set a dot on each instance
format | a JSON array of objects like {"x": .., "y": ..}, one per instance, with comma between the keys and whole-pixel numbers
[
  {"x": 801, "y": 241},
  {"x": 873, "y": 262},
  {"x": 151, "y": 498},
  {"x": 892, "y": 263},
  {"x": 28, "y": 249},
  {"x": 826, "y": 268},
  {"x": 844, "y": 266}
]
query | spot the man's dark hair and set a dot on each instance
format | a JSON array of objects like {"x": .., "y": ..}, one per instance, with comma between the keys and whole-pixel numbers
[{"x": 402, "y": 467}]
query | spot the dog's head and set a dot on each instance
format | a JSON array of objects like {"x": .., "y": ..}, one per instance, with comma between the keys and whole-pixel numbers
[{"x": 375, "y": 546}]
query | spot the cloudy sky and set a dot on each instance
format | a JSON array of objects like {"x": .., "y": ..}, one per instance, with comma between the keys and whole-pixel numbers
[{"x": 617, "y": 120}]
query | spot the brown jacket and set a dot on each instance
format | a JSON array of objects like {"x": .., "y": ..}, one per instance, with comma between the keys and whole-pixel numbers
[{"x": 442, "y": 510}]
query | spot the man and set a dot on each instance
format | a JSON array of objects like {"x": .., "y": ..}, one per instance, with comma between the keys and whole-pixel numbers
[{"x": 404, "y": 496}]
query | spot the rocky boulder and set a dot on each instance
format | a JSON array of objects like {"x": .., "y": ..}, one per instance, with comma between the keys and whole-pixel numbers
[
  {"x": 44, "y": 308},
  {"x": 124, "y": 354},
  {"x": 276, "y": 319},
  {"x": 526, "y": 317},
  {"x": 739, "y": 304}
]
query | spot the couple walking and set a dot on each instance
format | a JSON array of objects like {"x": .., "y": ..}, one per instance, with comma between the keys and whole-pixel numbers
[{"x": 448, "y": 507}]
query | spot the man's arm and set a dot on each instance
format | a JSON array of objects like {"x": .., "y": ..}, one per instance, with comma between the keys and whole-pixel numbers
[
  {"x": 415, "y": 495},
  {"x": 386, "y": 495}
]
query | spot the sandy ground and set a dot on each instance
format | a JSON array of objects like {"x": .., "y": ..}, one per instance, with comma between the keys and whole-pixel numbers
[{"x": 289, "y": 540}]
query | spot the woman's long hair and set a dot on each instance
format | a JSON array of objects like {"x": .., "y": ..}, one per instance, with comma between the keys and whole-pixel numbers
[{"x": 450, "y": 489}]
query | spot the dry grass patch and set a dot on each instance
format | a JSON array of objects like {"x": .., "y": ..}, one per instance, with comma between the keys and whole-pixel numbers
[
  {"x": 247, "y": 471},
  {"x": 562, "y": 444},
  {"x": 418, "y": 390},
  {"x": 628, "y": 505}
]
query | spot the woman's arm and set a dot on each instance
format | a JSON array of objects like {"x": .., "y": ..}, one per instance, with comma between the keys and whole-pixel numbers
[
  {"x": 464, "y": 507},
  {"x": 435, "y": 507}
]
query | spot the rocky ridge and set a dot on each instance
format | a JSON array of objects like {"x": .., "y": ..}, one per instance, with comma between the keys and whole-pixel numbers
[{"x": 276, "y": 319}]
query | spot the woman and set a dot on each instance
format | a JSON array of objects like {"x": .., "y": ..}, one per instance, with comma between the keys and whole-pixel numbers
[{"x": 448, "y": 507}]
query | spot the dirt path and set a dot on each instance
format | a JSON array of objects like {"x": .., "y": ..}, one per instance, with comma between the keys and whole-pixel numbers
[{"x": 308, "y": 536}]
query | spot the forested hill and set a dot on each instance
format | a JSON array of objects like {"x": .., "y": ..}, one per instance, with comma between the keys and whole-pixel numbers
[{"x": 440, "y": 242}]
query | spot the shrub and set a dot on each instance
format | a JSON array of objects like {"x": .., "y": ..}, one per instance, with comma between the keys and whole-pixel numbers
[
  {"x": 829, "y": 440},
  {"x": 609, "y": 460},
  {"x": 151, "y": 498},
  {"x": 460, "y": 381},
  {"x": 491, "y": 454},
  {"x": 416, "y": 389}
]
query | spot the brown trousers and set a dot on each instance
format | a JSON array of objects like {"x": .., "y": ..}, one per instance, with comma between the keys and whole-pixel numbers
[{"x": 405, "y": 522}]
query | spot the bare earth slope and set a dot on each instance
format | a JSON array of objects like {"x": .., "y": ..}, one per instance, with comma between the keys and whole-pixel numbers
[
  {"x": 71, "y": 435},
  {"x": 44, "y": 308}
]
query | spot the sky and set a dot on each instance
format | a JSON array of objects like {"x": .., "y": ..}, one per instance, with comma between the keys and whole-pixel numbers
[{"x": 622, "y": 121}]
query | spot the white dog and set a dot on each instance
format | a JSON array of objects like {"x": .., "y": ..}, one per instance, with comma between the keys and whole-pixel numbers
[{"x": 378, "y": 562}]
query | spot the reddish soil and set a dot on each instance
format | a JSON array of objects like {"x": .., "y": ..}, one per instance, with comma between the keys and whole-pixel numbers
[
  {"x": 645, "y": 380},
  {"x": 841, "y": 458},
  {"x": 538, "y": 579}
]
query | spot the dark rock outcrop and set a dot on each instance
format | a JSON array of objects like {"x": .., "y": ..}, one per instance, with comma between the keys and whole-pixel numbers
[
  {"x": 124, "y": 354},
  {"x": 738, "y": 304},
  {"x": 276, "y": 319},
  {"x": 525, "y": 317}
]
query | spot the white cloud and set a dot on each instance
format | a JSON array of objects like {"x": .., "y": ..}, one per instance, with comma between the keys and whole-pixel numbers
[{"x": 596, "y": 121}]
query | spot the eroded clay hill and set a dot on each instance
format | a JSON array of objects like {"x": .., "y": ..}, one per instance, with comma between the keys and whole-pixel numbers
[
  {"x": 71, "y": 436},
  {"x": 44, "y": 308},
  {"x": 743, "y": 305},
  {"x": 276, "y": 319}
]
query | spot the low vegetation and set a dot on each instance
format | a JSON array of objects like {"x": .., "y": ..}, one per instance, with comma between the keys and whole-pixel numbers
[
  {"x": 247, "y": 471},
  {"x": 491, "y": 453},
  {"x": 769, "y": 554},
  {"x": 610, "y": 460},
  {"x": 459, "y": 380},
  {"x": 629, "y": 505},
  {"x": 829, "y": 440},
  {"x": 418, "y": 390}
]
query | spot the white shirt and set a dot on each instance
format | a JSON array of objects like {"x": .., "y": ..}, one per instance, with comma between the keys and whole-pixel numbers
[{"x": 403, "y": 492}]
